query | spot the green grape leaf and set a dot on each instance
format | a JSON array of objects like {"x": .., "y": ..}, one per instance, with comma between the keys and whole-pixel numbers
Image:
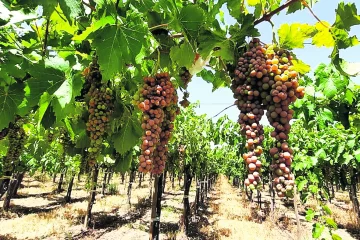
[
  {"x": 192, "y": 18},
  {"x": 225, "y": 50},
  {"x": 346, "y": 16},
  {"x": 310, "y": 214},
  {"x": 246, "y": 29},
  {"x": 300, "y": 66},
  {"x": 297, "y": 5},
  {"x": 45, "y": 77},
  {"x": 102, "y": 22},
  {"x": 62, "y": 100},
  {"x": 129, "y": 134},
  {"x": 48, "y": 118},
  {"x": 330, "y": 222},
  {"x": 183, "y": 55},
  {"x": 327, "y": 209},
  {"x": 317, "y": 230},
  {"x": 123, "y": 163},
  {"x": 343, "y": 40},
  {"x": 302, "y": 184},
  {"x": 323, "y": 36},
  {"x": 10, "y": 99},
  {"x": 217, "y": 80},
  {"x": 44, "y": 103},
  {"x": 208, "y": 41},
  {"x": 143, "y": 5},
  {"x": 357, "y": 155},
  {"x": 293, "y": 36},
  {"x": 321, "y": 154},
  {"x": 349, "y": 96},
  {"x": 71, "y": 9},
  {"x": 119, "y": 45},
  {"x": 334, "y": 236}
]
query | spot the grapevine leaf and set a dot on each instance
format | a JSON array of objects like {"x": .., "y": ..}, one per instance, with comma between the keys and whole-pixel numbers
[
  {"x": 143, "y": 5},
  {"x": 233, "y": 7},
  {"x": 183, "y": 55},
  {"x": 253, "y": 2},
  {"x": 10, "y": 99},
  {"x": 297, "y": 5},
  {"x": 302, "y": 184},
  {"x": 327, "y": 209},
  {"x": 346, "y": 16},
  {"x": 43, "y": 106},
  {"x": 208, "y": 41},
  {"x": 357, "y": 155},
  {"x": 119, "y": 45},
  {"x": 331, "y": 223},
  {"x": 217, "y": 79},
  {"x": 123, "y": 163},
  {"x": 317, "y": 230},
  {"x": 347, "y": 158},
  {"x": 300, "y": 66},
  {"x": 102, "y": 22},
  {"x": 62, "y": 100},
  {"x": 49, "y": 118},
  {"x": 343, "y": 40},
  {"x": 349, "y": 96},
  {"x": 334, "y": 236},
  {"x": 225, "y": 50},
  {"x": 192, "y": 18},
  {"x": 310, "y": 214},
  {"x": 71, "y": 9},
  {"x": 129, "y": 134},
  {"x": 44, "y": 78},
  {"x": 293, "y": 36},
  {"x": 323, "y": 36},
  {"x": 246, "y": 28},
  {"x": 321, "y": 154}
]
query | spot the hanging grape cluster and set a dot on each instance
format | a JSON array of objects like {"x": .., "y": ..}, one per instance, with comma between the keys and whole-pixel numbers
[
  {"x": 17, "y": 138},
  {"x": 264, "y": 79},
  {"x": 100, "y": 107},
  {"x": 185, "y": 77},
  {"x": 157, "y": 99}
]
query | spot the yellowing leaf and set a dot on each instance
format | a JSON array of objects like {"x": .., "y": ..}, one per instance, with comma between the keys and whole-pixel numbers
[
  {"x": 300, "y": 66},
  {"x": 253, "y": 2},
  {"x": 293, "y": 36},
  {"x": 323, "y": 37}
]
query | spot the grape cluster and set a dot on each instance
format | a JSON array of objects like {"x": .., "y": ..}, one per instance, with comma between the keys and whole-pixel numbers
[
  {"x": 265, "y": 79},
  {"x": 246, "y": 87},
  {"x": 100, "y": 107},
  {"x": 157, "y": 99},
  {"x": 17, "y": 138},
  {"x": 185, "y": 77}
]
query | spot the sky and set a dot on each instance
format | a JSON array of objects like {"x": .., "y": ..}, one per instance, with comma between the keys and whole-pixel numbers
[{"x": 211, "y": 103}]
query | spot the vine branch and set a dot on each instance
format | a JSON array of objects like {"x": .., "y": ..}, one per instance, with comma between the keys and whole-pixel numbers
[
  {"x": 158, "y": 26},
  {"x": 268, "y": 16},
  {"x": 224, "y": 110},
  {"x": 46, "y": 36},
  {"x": 312, "y": 13},
  {"x": 89, "y": 6}
]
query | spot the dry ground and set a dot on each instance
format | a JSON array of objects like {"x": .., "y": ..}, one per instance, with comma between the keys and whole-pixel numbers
[{"x": 39, "y": 213}]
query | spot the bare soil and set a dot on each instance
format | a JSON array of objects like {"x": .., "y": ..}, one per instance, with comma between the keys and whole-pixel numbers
[{"x": 38, "y": 212}]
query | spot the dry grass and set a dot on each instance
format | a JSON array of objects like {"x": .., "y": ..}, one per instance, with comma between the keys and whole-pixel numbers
[{"x": 346, "y": 218}]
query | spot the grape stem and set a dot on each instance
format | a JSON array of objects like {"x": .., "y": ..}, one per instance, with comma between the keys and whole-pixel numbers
[
  {"x": 89, "y": 6},
  {"x": 268, "y": 16},
  {"x": 158, "y": 26},
  {"x": 46, "y": 36},
  {"x": 224, "y": 110},
  {"x": 312, "y": 13}
]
